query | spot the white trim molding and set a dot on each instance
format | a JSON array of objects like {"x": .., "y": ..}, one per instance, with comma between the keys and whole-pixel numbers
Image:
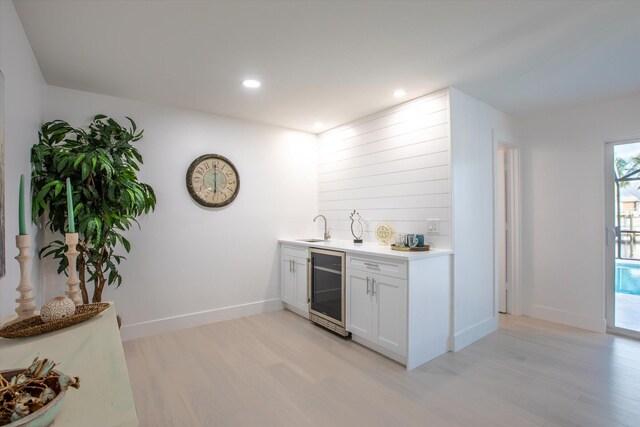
[
  {"x": 183, "y": 321},
  {"x": 474, "y": 333},
  {"x": 514, "y": 218},
  {"x": 296, "y": 310},
  {"x": 568, "y": 318}
]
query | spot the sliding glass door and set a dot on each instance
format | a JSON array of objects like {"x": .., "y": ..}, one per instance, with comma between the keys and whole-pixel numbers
[{"x": 623, "y": 236}]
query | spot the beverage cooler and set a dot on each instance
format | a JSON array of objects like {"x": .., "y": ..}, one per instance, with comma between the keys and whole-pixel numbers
[{"x": 327, "y": 289}]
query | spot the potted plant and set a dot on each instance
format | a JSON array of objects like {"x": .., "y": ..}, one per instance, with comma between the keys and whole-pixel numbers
[{"x": 102, "y": 164}]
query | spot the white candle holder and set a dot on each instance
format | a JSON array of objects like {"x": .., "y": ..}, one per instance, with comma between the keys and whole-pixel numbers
[
  {"x": 71, "y": 239},
  {"x": 26, "y": 301}
]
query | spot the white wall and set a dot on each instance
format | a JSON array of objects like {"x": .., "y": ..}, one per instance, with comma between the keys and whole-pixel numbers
[
  {"x": 563, "y": 174},
  {"x": 430, "y": 158},
  {"x": 391, "y": 167},
  {"x": 24, "y": 90},
  {"x": 474, "y": 125},
  {"x": 188, "y": 260}
]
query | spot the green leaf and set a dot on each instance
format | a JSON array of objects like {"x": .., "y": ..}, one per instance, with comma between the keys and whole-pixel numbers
[
  {"x": 108, "y": 197},
  {"x": 133, "y": 124},
  {"x": 98, "y": 226},
  {"x": 52, "y": 251},
  {"x": 78, "y": 160},
  {"x": 40, "y": 197},
  {"x": 85, "y": 171},
  {"x": 132, "y": 198},
  {"x": 58, "y": 189},
  {"x": 126, "y": 244}
]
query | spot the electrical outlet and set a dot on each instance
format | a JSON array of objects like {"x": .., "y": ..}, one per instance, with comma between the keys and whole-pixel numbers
[{"x": 433, "y": 226}]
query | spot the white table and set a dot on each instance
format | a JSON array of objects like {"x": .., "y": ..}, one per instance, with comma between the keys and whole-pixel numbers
[{"x": 91, "y": 350}]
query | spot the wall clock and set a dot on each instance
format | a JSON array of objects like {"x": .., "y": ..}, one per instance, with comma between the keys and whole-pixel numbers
[{"x": 213, "y": 181}]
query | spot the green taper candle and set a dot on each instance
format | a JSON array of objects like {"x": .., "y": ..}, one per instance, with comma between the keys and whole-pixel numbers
[
  {"x": 70, "y": 219},
  {"x": 22, "y": 226}
]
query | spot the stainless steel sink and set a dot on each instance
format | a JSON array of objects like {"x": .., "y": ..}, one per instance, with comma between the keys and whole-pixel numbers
[{"x": 310, "y": 240}]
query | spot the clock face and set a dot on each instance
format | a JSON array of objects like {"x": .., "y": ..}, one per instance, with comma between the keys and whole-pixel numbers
[{"x": 213, "y": 181}]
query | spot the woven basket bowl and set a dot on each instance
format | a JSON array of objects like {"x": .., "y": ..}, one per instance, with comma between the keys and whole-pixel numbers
[{"x": 43, "y": 417}]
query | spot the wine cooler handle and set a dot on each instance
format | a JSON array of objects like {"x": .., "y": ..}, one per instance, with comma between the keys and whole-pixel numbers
[{"x": 309, "y": 281}]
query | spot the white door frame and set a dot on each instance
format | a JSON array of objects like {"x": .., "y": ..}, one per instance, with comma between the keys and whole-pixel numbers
[
  {"x": 514, "y": 219},
  {"x": 609, "y": 238}
]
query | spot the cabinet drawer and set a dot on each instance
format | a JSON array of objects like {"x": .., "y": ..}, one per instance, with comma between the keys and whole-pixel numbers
[
  {"x": 294, "y": 251},
  {"x": 379, "y": 265}
]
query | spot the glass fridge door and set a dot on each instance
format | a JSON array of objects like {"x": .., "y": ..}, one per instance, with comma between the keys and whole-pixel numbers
[{"x": 326, "y": 284}]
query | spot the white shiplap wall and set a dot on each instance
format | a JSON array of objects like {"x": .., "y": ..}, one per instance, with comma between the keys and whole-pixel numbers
[{"x": 392, "y": 167}]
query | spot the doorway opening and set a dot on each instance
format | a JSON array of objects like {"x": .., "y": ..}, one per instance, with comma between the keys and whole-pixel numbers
[
  {"x": 507, "y": 226},
  {"x": 623, "y": 237}
]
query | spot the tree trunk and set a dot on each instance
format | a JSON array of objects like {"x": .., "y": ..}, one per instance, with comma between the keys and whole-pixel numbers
[
  {"x": 98, "y": 283},
  {"x": 97, "y": 291},
  {"x": 82, "y": 268},
  {"x": 100, "y": 279}
]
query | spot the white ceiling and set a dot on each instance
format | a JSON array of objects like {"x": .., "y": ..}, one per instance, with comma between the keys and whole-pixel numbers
[{"x": 335, "y": 61}]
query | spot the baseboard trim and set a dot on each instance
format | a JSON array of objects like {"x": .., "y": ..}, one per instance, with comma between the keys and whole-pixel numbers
[
  {"x": 568, "y": 318},
  {"x": 473, "y": 333},
  {"x": 379, "y": 349},
  {"x": 296, "y": 310},
  {"x": 183, "y": 321}
]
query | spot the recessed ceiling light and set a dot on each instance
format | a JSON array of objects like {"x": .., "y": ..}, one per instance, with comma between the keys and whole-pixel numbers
[
  {"x": 317, "y": 125},
  {"x": 253, "y": 84},
  {"x": 399, "y": 93}
]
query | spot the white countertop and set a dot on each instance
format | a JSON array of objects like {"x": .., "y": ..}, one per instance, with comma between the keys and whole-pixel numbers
[{"x": 369, "y": 249}]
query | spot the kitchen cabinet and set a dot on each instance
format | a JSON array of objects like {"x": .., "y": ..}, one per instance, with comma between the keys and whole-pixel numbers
[
  {"x": 390, "y": 313},
  {"x": 397, "y": 303},
  {"x": 400, "y": 307},
  {"x": 377, "y": 308},
  {"x": 359, "y": 304},
  {"x": 293, "y": 276}
]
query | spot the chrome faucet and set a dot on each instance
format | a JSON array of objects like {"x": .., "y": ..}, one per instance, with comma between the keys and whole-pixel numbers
[{"x": 327, "y": 236}]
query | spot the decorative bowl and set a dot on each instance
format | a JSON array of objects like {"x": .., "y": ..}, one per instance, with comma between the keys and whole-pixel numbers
[
  {"x": 34, "y": 325},
  {"x": 43, "y": 417},
  {"x": 57, "y": 308}
]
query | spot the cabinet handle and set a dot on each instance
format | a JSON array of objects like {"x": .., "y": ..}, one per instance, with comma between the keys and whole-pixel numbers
[
  {"x": 290, "y": 266},
  {"x": 367, "y": 285},
  {"x": 293, "y": 265},
  {"x": 373, "y": 287},
  {"x": 368, "y": 264}
]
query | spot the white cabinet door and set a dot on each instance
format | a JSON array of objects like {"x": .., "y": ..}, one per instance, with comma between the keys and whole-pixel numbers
[
  {"x": 288, "y": 291},
  {"x": 300, "y": 273},
  {"x": 390, "y": 308},
  {"x": 360, "y": 304}
]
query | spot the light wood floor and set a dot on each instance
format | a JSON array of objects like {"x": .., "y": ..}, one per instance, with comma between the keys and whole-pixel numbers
[{"x": 277, "y": 369}]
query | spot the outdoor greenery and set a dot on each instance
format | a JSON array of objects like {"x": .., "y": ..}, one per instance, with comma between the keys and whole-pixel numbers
[
  {"x": 102, "y": 165},
  {"x": 627, "y": 167}
]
